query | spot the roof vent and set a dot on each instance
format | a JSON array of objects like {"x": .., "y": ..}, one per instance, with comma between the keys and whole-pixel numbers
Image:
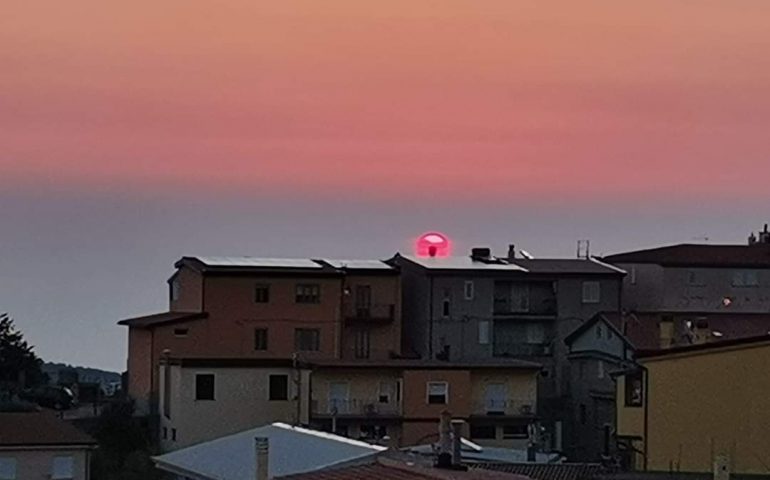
[{"x": 481, "y": 253}]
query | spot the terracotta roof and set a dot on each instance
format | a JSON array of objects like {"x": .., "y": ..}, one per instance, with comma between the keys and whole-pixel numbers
[
  {"x": 547, "y": 471},
  {"x": 643, "y": 328},
  {"x": 40, "y": 428},
  {"x": 164, "y": 318},
  {"x": 427, "y": 364},
  {"x": 695, "y": 255},
  {"x": 385, "y": 469}
]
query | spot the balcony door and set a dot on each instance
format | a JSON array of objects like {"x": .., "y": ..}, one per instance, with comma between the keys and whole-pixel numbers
[
  {"x": 495, "y": 398},
  {"x": 363, "y": 301},
  {"x": 339, "y": 398}
]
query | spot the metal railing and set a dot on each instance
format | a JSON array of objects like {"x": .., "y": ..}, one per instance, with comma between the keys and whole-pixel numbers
[
  {"x": 374, "y": 312},
  {"x": 505, "y": 406},
  {"x": 355, "y": 407}
]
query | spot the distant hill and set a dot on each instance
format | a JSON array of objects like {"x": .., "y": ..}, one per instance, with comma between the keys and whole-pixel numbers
[{"x": 84, "y": 374}]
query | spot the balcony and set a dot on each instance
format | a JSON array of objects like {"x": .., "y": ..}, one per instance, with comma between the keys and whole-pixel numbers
[
  {"x": 509, "y": 407},
  {"x": 377, "y": 313},
  {"x": 504, "y": 349},
  {"x": 355, "y": 407}
]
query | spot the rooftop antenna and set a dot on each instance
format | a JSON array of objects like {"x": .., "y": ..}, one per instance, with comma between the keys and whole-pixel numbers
[{"x": 583, "y": 249}]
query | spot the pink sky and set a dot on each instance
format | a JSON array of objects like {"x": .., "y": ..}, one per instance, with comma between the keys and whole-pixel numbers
[{"x": 494, "y": 99}]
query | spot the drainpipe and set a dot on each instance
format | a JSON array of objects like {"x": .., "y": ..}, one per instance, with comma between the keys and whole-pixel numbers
[
  {"x": 646, "y": 393},
  {"x": 262, "y": 447}
]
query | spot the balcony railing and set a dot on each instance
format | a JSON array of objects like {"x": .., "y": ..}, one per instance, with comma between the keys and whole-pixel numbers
[
  {"x": 367, "y": 407},
  {"x": 505, "y": 406},
  {"x": 369, "y": 313},
  {"x": 505, "y": 349}
]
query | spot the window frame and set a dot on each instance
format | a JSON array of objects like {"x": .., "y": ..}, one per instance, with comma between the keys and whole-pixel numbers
[
  {"x": 428, "y": 395},
  {"x": 276, "y": 398},
  {"x": 264, "y": 336},
  {"x": 69, "y": 466},
  {"x": 213, "y": 376},
  {"x": 307, "y": 293},
  {"x": 362, "y": 344},
  {"x": 469, "y": 290},
  {"x": 262, "y": 293},
  {"x": 586, "y": 296},
  {"x": 485, "y": 339},
  {"x": 628, "y": 389},
  {"x": 316, "y": 347},
  {"x": 14, "y": 467}
]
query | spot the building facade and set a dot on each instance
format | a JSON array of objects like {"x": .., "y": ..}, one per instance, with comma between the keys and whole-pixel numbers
[
  {"x": 245, "y": 307},
  {"x": 483, "y": 308},
  {"x": 697, "y": 408}
]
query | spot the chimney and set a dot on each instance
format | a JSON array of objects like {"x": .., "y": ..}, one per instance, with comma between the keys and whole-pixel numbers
[
  {"x": 457, "y": 444},
  {"x": 262, "y": 450},
  {"x": 481, "y": 253},
  {"x": 511, "y": 251},
  {"x": 445, "y": 440}
]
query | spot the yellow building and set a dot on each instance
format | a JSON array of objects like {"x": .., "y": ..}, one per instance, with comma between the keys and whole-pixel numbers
[{"x": 690, "y": 408}]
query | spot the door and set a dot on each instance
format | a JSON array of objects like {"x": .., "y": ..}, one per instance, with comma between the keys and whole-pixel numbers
[
  {"x": 363, "y": 300},
  {"x": 339, "y": 401},
  {"x": 494, "y": 398}
]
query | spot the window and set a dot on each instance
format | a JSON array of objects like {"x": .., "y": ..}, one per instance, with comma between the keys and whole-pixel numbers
[
  {"x": 745, "y": 278},
  {"x": 373, "y": 431},
  {"x": 362, "y": 344},
  {"x": 468, "y": 289},
  {"x": 386, "y": 392},
  {"x": 7, "y": 468},
  {"x": 166, "y": 399},
  {"x": 445, "y": 308},
  {"x": 363, "y": 299},
  {"x": 173, "y": 434},
  {"x": 483, "y": 332},
  {"x": 260, "y": 339},
  {"x": 519, "y": 299},
  {"x": 591, "y": 292},
  {"x": 634, "y": 389},
  {"x": 483, "y": 432},
  {"x": 438, "y": 393},
  {"x": 181, "y": 332},
  {"x": 165, "y": 433},
  {"x": 534, "y": 333},
  {"x": 279, "y": 387},
  {"x": 583, "y": 414},
  {"x": 598, "y": 332},
  {"x": 633, "y": 275},
  {"x": 63, "y": 468},
  {"x": 308, "y": 293},
  {"x": 600, "y": 369},
  {"x": 515, "y": 431},
  {"x": 262, "y": 293},
  {"x": 204, "y": 386},
  {"x": 307, "y": 339}
]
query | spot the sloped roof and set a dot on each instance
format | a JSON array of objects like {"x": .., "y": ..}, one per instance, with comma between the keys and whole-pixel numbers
[
  {"x": 461, "y": 263},
  {"x": 163, "y": 318},
  {"x": 292, "y": 450},
  {"x": 553, "y": 266},
  {"x": 546, "y": 471},
  {"x": 39, "y": 428},
  {"x": 599, "y": 317},
  {"x": 698, "y": 255},
  {"x": 705, "y": 347},
  {"x": 393, "y": 470}
]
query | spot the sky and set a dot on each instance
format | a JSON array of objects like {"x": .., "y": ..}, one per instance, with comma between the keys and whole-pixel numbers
[{"x": 132, "y": 133}]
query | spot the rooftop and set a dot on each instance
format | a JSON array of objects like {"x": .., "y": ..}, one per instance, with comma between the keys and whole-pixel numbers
[
  {"x": 545, "y": 471},
  {"x": 708, "y": 347},
  {"x": 246, "y": 261},
  {"x": 39, "y": 428},
  {"x": 357, "y": 264},
  {"x": 699, "y": 255},
  {"x": 292, "y": 450},
  {"x": 163, "y": 318},
  {"x": 553, "y": 266}
]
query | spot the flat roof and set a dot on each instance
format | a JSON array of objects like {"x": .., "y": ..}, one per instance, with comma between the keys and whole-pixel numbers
[{"x": 259, "y": 262}]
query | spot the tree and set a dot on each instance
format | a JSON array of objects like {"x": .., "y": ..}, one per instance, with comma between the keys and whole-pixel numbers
[{"x": 19, "y": 366}]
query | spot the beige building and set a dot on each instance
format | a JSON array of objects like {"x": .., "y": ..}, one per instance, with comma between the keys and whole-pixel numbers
[
  {"x": 690, "y": 408},
  {"x": 38, "y": 445}
]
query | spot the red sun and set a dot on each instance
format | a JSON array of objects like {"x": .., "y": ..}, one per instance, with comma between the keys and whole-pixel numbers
[{"x": 433, "y": 244}]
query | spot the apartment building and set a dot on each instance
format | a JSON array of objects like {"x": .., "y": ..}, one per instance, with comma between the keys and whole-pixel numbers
[
  {"x": 694, "y": 293},
  {"x": 482, "y": 308},
  {"x": 698, "y": 409},
  {"x": 261, "y": 308}
]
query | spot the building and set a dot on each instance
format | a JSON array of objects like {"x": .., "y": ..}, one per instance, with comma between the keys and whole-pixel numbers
[
  {"x": 37, "y": 444},
  {"x": 693, "y": 293},
  {"x": 597, "y": 349},
  {"x": 698, "y": 408},
  {"x": 389, "y": 402},
  {"x": 484, "y": 308},
  {"x": 261, "y": 308}
]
